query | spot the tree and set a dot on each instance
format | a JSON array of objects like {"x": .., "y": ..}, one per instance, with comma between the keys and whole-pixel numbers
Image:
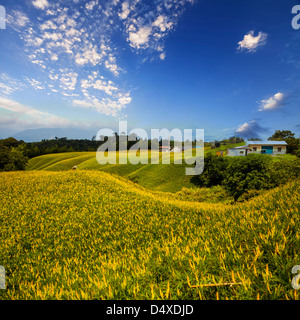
[
  {"x": 289, "y": 137},
  {"x": 10, "y": 142},
  {"x": 214, "y": 170},
  {"x": 281, "y": 135},
  {"x": 247, "y": 173},
  {"x": 12, "y": 158}
]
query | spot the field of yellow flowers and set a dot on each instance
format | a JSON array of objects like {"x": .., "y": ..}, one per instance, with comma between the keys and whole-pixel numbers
[{"x": 89, "y": 235}]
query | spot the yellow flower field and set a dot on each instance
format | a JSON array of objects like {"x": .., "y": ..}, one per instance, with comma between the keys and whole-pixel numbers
[{"x": 89, "y": 235}]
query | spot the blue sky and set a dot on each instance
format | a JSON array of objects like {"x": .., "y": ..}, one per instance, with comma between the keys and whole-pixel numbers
[{"x": 221, "y": 66}]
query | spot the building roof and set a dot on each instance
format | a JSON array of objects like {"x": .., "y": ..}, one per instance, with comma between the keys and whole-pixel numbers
[
  {"x": 267, "y": 143},
  {"x": 236, "y": 148}
]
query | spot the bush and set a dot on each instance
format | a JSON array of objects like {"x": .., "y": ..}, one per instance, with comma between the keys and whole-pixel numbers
[
  {"x": 12, "y": 158},
  {"x": 214, "y": 170},
  {"x": 214, "y": 194},
  {"x": 283, "y": 171},
  {"x": 247, "y": 173}
]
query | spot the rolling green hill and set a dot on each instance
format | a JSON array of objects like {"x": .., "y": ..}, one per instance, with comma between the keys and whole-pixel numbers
[{"x": 158, "y": 177}]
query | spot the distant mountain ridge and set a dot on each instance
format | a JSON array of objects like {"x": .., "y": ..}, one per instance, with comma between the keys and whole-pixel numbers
[{"x": 35, "y": 135}]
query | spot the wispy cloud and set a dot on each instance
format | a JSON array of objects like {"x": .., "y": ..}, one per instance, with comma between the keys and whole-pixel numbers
[
  {"x": 69, "y": 44},
  {"x": 273, "y": 103},
  {"x": 40, "y": 4},
  {"x": 251, "y": 129},
  {"x": 147, "y": 27},
  {"x": 25, "y": 116},
  {"x": 112, "y": 101},
  {"x": 9, "y": 85},
  {"x": 17, "y": 20},
  {"x": 250, "y": 43}
]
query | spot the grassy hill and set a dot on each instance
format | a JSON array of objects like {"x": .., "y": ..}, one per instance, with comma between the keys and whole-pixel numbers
[
  {"x": 90, "y": 235},
  {"x": 170, "y": 178},
  {"x": 159, "y": 177}
]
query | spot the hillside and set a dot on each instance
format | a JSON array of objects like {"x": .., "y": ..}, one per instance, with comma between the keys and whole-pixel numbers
[
  {"x": 157, "y": 177},
  {"x": 89, "y": 235}
]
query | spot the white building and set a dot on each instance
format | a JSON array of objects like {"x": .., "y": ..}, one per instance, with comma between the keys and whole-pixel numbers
[
  {"x": 176, "y": 149},
  {"x": 259, "y": 147},
  {"x": 237, "y": 152},
  {"x": 267, "y": 147}
]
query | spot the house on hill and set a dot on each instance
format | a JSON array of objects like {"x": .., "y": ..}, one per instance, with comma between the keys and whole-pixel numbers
[
  {"x": 237, "y": 151},
  {"x": 259, "y": 147},
  {"x": 267, "y": 147}
]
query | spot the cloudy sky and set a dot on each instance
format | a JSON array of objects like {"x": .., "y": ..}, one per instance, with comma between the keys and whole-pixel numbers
[{"x": 222, "y": 66}]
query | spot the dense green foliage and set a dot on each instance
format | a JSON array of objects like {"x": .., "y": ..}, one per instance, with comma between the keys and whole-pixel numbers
[
  {"x": 214, "y": 170},
  {"x": 240, "y": 175},
  {"x": 12, "y": 155},
  {"x": 247, "y": 173}
]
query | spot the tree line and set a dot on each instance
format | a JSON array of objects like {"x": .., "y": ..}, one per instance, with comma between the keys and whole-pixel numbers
[{"x": 14, "y": 154}]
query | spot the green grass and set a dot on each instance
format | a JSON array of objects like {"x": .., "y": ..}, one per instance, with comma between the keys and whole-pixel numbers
[
  {"x": 45, "y": 161},
  {"x": 224, "y": 148},
  {"x": 89, "y": 235},
  {"x": 284, "y": 157},
  {"x": 159, "y": 177},
  {"x": 170, "y": 178}
]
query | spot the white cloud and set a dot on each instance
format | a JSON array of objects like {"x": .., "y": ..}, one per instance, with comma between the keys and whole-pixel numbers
[
  {"x": 39, "y": 63},
  {"x": 140, "y": 38},
  {"x": 34, "y": 41},
  {"x": 111, "y": 65},
  {"x": 88, "y": 55},
  {"x": 4, "y": 89},
  {"x": 48, "y": 25},
  {"x": 17, "y": 20},
  {"x": 273, "y": 103},
  {"x": 9, "y": 85},
  {"x": 68, "y": 81},
  {"x": 29, "y": 116},
  {"x": 37, "y": 85},
  {"x": 162, "y": 56},
  {"x": 125, "y": 99},
  {"x": 162, "y": 24},
  {"x": 110, "y": 102},
  {"x": 125, "y": 10},
  {"x": 106, "y": 106},
  {"x": 99, "y": 83},
  {"x": 148, "y": 29},
  {"x": 250, "y": 43},
  {"x": 250, "y": 129},
  {"x": 82, "y": 42},
  {"x": 54, "y": 57},
  {"x": 90, "y": 5},
  {"x": 53, "y": 77},
  {"x": 40, "y": 4}
]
